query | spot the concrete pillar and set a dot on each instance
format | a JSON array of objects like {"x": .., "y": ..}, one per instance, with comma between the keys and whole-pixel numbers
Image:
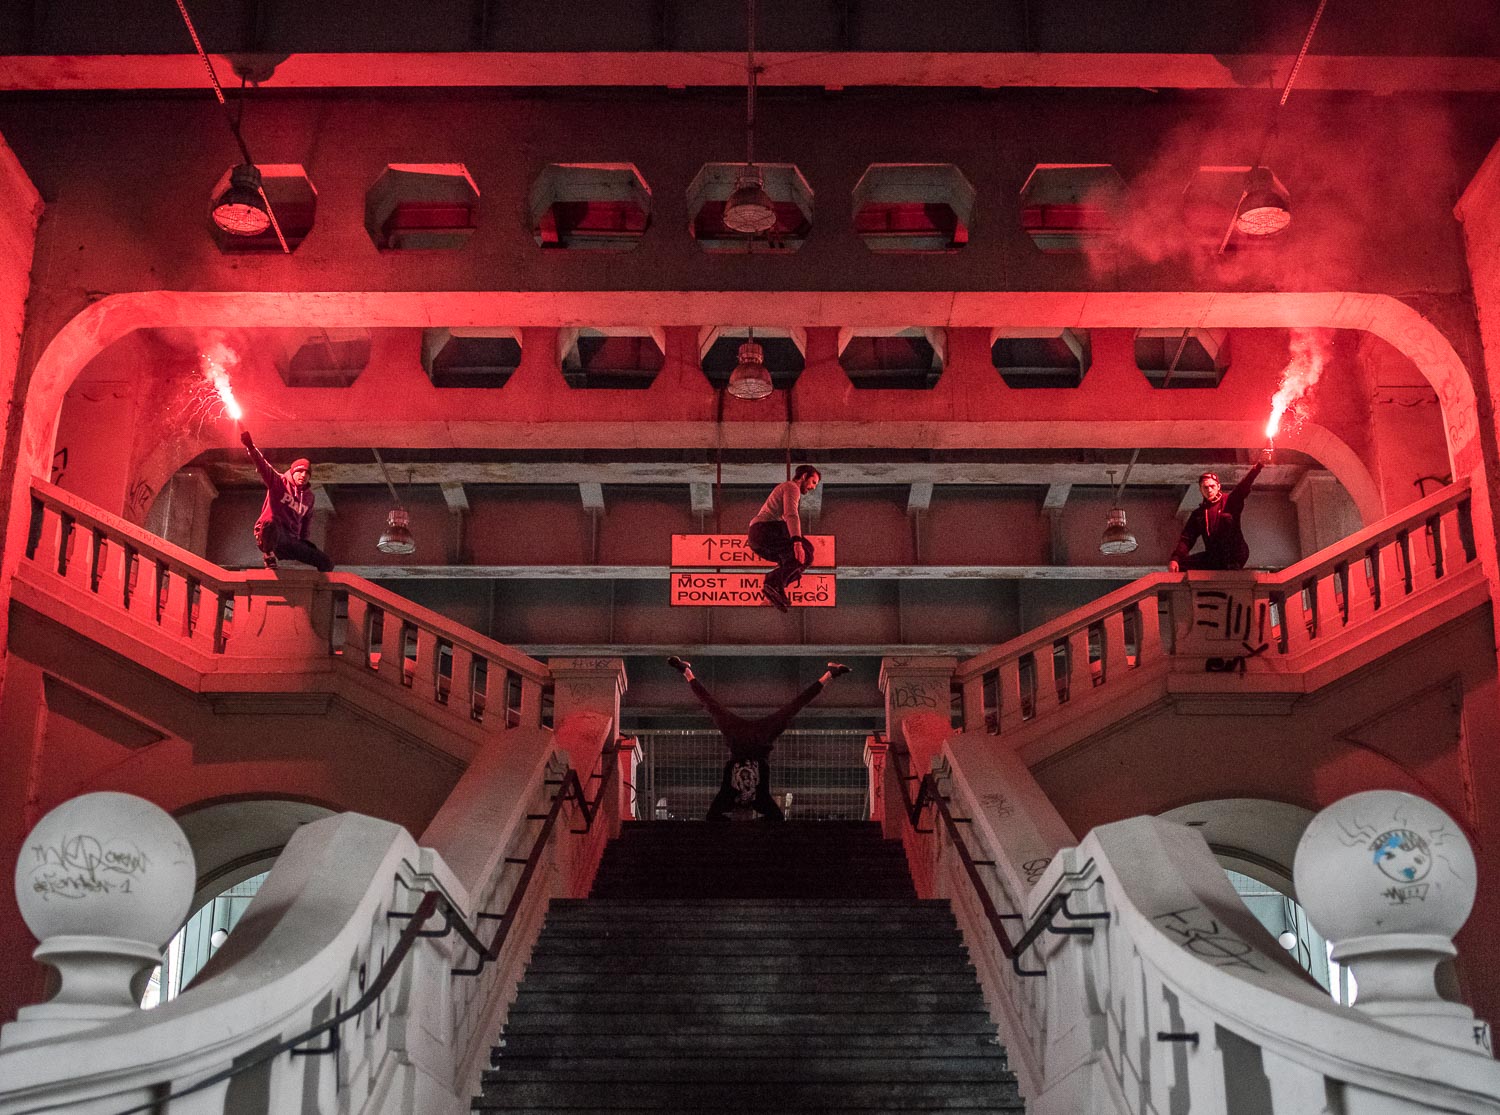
[
  {"x": 916, "y": 687},
  {"x": 587, "y": 685},
  {"x": 884, "y": 792},
  {"x": 180, "y": 513},
  {"x": 1325, "y": 513}
]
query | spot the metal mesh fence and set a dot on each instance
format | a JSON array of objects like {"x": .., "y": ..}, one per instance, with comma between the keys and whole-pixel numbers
[{"x": 822, "y": 771}]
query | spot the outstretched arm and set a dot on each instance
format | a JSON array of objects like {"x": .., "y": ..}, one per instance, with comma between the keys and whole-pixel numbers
[
  {"x": 268, "y": 475},
  {"x": 1237, "y": 497}
]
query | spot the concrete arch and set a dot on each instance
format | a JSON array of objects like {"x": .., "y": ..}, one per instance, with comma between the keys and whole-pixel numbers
[
  {"x": 1254, "y": 836},
  {"x": 111, "y": 318},
  {"x": 235, "y": 839}
]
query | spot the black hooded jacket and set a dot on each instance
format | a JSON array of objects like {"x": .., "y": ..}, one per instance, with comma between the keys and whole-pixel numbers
[{"x": 1218, "y": 524}]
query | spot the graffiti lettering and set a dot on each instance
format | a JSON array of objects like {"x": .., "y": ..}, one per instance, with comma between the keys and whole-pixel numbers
[
  {"x": 82, "y": 865},
  {"x": 912, "y": 696},
  {"x": 1035, "y": 867},
  {"x": 1202, "y": 936}
]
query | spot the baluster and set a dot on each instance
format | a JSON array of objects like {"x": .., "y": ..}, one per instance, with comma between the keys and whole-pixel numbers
[
  {"x": 1009, "y": 686},
  {"x": 530, "y": 697},
  {"x": 1420, "y": 546},
  {"x": 425, "y": 676},
  {"x": 461, "y": 684},
  {"x": 1294, "y": 619},
  {"x": 143, "y": 590},
  {"x": 392, "y": 648},
  {"x": 1455, "y": 553},
  {"x": 1046, "y": 680},
  {"x": 356, "y": 648},
  {"x": 79, "y": 570},
  {"x": 973, "y": 705},
  {"x": 51, "y": 540},
  {"x": 174, "y": 609},
  {"x": 111, "y": 573},
  {"x": 1358, "y": 597},
  {"x": 205, "y": 626},
  {"x": 1330, "y": 619},
  {"x": 1114, "y": 659},
  {"x": 1150, "y": 648},
  {"x": 1079, "y": 678}
]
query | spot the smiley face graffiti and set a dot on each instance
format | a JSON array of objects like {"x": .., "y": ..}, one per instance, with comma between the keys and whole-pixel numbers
[{"x": 1402, "y": 855}]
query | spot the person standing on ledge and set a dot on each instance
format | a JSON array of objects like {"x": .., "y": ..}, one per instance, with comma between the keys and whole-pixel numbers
[
  {"x": 1217, "y": 521},
  {"x": 747, "y": 774},
  {"x": 286, "y": 516},
  {"x": 776, "y": 534}
]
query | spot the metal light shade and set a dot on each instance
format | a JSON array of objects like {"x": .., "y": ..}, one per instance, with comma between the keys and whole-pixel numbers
[
  {"x": 240, "y": 210},
  {"x": 396, "y": 538},
  {"x": 750, "y": 380},
  {"x": 1117, "y": 537},
  {"x": 1266, "y": 208},
  {"x": 749, "y": 208}
]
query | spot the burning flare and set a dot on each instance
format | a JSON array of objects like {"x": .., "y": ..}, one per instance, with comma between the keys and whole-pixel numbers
[
  {"x": 1307, "y": 357},
  {"x": 215, "y": 365}
]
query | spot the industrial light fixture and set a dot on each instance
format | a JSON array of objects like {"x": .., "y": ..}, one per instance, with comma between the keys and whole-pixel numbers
[
  {"x": 1117, "y": 538},
  {"x": 396, "y": 538},
  {"x": 1265, "y": 208},
  {"x": 750, "y": 209},
  {"x": 241, "y": 209},
  {"x": 750, "y": 379}
]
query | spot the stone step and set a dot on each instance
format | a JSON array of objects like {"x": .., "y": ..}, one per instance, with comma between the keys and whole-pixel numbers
[
  {"x": 653, "y": 1021},
  {"x": 730, "y": 1069},
  {"x": 780, "y": 983},
  {"x": 731, "y": 965},
  {"x": 604, "y": 947},
  {"x": 925, "y": 930},
  {"x": 708, "y": 1043},
  {"x": 759, "y": 1096},
  {"x": 749, "y": 1002}
]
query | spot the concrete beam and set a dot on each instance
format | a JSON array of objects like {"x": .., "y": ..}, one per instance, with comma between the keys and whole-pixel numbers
[
  {"x": 1023, "y": 474},
  {"x": 1120, "y": 573},
  {"x": 1191, "y": 499},
  {"x": 1057, "y": 497},
  {"x": 919, "y": 497},
  {"x": 701, "y": 496},
  {"x": 592, "y": 494},
  {"x": 815, "y": 69},
  {"x": 322, "y": 499}
]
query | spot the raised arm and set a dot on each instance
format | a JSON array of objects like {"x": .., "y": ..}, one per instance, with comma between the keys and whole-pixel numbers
[
  {"x": 1237, "y": 497},
  {"x": 268, "y": 475}
]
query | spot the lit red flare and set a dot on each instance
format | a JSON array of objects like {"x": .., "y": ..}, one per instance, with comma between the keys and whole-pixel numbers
[
  {"x": 215, "y": 364},
  {"x": 1308, "y": 354}
]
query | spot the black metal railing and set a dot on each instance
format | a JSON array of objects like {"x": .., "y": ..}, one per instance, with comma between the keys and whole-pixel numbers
[
  {"x": 430, "y": 902},
  {"x": 928, "y": 793}
]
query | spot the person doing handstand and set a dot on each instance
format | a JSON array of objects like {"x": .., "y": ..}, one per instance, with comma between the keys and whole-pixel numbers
[
  {"x": 747, "y": 774},
  {"x": 776, "y": 534},
  {"x": 1217, "y": 521},
  {"x": 286, "y": 516}
]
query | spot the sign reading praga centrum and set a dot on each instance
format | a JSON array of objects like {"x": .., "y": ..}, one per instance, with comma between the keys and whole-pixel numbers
[{"x": 706, "y": 585}]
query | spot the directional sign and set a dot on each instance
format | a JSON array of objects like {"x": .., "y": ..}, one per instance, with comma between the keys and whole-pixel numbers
[
  {"x": 731, "y": 549},
  {"x": 742, "y": 590}
]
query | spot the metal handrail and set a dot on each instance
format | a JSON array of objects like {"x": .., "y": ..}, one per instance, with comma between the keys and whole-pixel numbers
[
  {"x": 928, "y": 793},
  {"x": 453, "y": 922}
]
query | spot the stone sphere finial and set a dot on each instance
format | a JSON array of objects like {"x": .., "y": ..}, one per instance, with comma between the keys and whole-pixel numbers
[
  {"x": 104, "y": 881},
  {"x": 1389, "y": 878}
]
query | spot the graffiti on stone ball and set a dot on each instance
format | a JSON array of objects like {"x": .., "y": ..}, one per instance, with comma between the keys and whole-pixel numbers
[
  {"x": 1403, "y": 854},
  {"x": 83, "y": 865},
  {"x": 1201, "y": 934}
]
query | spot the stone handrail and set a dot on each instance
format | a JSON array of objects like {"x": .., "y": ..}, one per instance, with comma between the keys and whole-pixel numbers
[
  {"x": 1257, "y": 623},
  {"x": 319, "y": 928},
  {"x": 1177, "y": 999},
  {"x": 238, "y": 622}
]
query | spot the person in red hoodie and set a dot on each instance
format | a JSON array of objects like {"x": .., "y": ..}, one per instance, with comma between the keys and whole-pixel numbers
[{"x": 286, "y": 516}]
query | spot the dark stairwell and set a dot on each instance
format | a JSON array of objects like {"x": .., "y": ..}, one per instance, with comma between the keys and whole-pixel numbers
[{"x": 750, "y": 966}]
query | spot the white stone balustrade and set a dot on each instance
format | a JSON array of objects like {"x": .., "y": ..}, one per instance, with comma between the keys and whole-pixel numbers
[
  {"x": 1261, "y": 624},
  {"x": 1180, "y": 1000},
  {"x": 237, "y": 626}
]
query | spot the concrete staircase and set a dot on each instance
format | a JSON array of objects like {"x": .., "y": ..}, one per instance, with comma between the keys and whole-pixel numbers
[{"x": 749, "y": 966}]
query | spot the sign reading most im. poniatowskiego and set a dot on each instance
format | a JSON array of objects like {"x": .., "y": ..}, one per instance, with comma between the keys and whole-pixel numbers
[{"x": 707, "y": 585}]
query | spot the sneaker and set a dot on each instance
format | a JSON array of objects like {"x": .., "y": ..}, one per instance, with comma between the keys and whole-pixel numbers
[
  {"x": 776, "y": 597},
  {"x": 270, "y": 560},
  {"x": 681, "y": 665},
  {"x": 837, "y": 669}
]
